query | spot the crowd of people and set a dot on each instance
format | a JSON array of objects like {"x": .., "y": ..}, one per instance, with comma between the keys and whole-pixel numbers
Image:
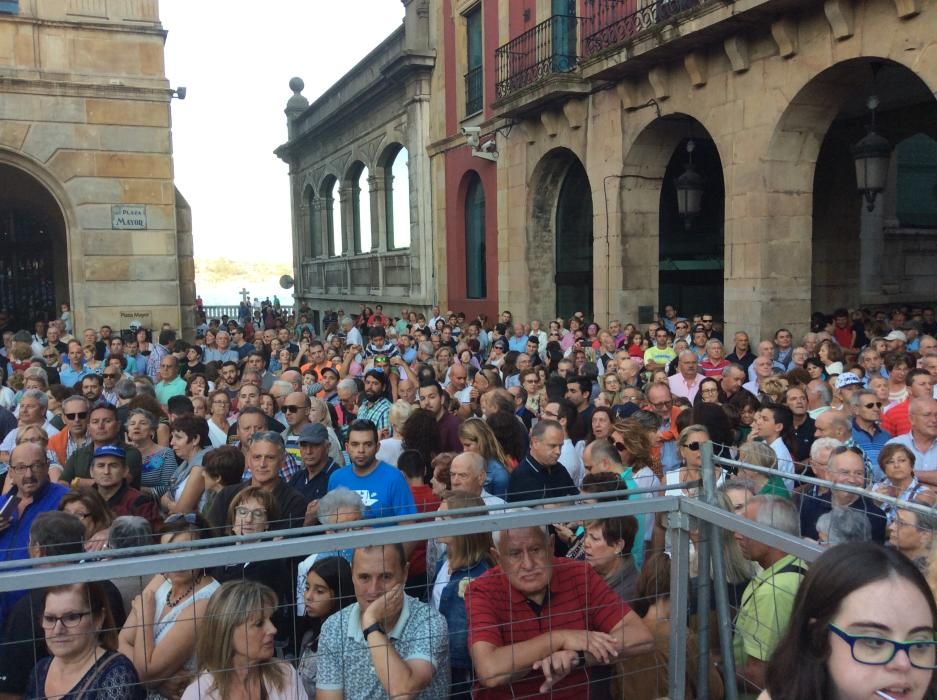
[{"x": 265, "y": 423}]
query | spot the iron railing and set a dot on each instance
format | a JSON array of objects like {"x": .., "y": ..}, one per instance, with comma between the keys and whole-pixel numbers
[
  {"x": 474, "y": 90},
  {"x": 549, "y": 48},
  {"x": 613, "y": 22}
]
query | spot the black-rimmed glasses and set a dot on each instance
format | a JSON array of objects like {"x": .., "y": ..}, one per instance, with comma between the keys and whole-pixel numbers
[{"x": 878, "y": 651}]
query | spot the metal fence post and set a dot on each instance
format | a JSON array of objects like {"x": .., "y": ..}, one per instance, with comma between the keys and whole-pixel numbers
[
  {"x": 678, "y": 525},
  {"x": 720, "y": 584}
]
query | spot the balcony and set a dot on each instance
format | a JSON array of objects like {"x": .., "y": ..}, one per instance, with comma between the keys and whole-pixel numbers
[
  {"x": 386, "y": 274},
  {"x": 548, "y": 53}
]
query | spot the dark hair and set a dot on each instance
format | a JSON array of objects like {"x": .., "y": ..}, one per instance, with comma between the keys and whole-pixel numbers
[
  {"x": 784, "y": 416},
  {"x": 191, "y": 378},
  {"x": 363, "y": 426},
  {"x": 717, "y": 422},
  {"x": 568, "y": 411},
  {"x": 180, "y": 405},
  {"x": 110, "y": 408},
  {"x": 193, "y": 427},
  {"x": 225, "y": 463},
  {"x": 56, "y": 533},
  {"x": 166, "y": 336},
  {"x": 98, "y": 602},
  {"x": 336, "y": 572},
  {"x": 798, "y": 668},
  {"x": 507, "y": 431},
  {"x": 585, "y": 384},
  {"x": 420, "y": 432},
  {"x": 98, "y": 511},
  {"x": 916, "y": 372},
  {"x": 412, "y": 464},
  {"x": 602, "y": 482}
]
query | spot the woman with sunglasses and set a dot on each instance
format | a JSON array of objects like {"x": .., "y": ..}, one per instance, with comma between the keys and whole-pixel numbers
[
  {"x": 83, "y": 660},
  {"x": 897, "y": 463},
  {"x": 862, "y": 628},
  {"x": 160, "y": 631}
]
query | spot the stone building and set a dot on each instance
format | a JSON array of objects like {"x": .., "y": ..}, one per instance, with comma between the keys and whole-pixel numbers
[
  {"x": 89, "y": 214},
  {"x": 591, "y": 121},
  {"x": 359, "y": 179}
]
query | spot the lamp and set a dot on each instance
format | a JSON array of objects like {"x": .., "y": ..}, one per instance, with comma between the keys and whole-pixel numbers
[
  {"x": 689, "y": 189},
  {"x": 872, "y": 155}
]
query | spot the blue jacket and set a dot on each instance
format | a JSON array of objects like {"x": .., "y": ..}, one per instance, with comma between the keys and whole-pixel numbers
[
  {"x": 452, "y": 607},
  {"x": 496, "y": 483},
  {"x": 14, "y": 541}
]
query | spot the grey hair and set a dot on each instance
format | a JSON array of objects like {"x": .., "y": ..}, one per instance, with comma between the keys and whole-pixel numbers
[
  {"x": 822, "y": 389},
  {"x": 40, "y": 396},
  {"x": 473, "y": 460},
  {"x": 125, "y": 388},
  {"x": 144, "y": 388},
  {"x": 866, "y": 353},
  {"x": 426, "y": 347},
  {"x": 824, "y": 443},
  {"x": 713, "y": 342},
  {"x": 346, "y": 321},
  {"x": 284, "y": 386},
  {"x": 129, "y": 531},
  {"x": 347, "y": 384},
  {"x": 843, "y": 525},
  {"x": 603, "y": 449},
  {"x": 778, "y": 513},
  {"x": 150, "y": 418},
  {"x": 497, "y": 535},
  {"x": 340, "y": 499},
  {"x": 76, "y": 397},
  {"x": 731, "y": 367},
  {"x": 36, "y": 373}
]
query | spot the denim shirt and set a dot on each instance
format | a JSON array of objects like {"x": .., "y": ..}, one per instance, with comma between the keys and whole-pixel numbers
[
  {"x": 496, "y": 483},
  {"x": 452, "y": 607}
]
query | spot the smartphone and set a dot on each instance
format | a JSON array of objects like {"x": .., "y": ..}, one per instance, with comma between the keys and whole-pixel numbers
[{"x": 9, "y": 507}]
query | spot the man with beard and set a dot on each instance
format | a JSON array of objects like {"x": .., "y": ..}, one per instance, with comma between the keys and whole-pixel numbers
[{"x": 376, "y": 406}]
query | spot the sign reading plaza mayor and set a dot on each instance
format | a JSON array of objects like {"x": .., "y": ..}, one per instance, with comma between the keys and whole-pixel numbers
[
  {"x": 143, "y": 318},
  {"x": 128, "y": 217}
]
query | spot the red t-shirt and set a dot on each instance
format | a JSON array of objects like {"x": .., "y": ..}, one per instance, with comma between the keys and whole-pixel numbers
[
  {"x": 578, "y": 599},
  {"x": 843, "y": 336},
  {"x": 426, "y": 502},
  {"x": 896, "y": 420}
]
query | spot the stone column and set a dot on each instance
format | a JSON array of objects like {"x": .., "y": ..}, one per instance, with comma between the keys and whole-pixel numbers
[
  {"x": 346, "y": 206},
  {"x": 872, "y": 246},
  {"x": 377, "y": 190}
]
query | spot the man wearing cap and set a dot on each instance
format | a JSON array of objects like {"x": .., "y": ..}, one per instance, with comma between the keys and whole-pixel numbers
[
  {"x": 920, "y": 385},
  {"x": 847, "y": 385},
  {"x": 897, "y": 341},
  {"x": 313, "y": 481},
  {"x": 103, "y": 427},
  {"x": 329, "y": 379},
  {"x": 109, "y": 473},
  {"x": 375, "y": 406}
]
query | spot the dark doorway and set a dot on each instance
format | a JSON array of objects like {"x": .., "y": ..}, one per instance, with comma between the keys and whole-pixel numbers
[
  {"x": 33, "y": 254},
  {"x": 692, "y": 259},
  {"x": 574, "y": 244}
]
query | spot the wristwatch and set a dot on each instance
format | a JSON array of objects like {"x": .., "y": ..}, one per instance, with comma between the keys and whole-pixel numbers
[
  {"x": 581, "y": 658},
  {"x": 376, "y": 627}
]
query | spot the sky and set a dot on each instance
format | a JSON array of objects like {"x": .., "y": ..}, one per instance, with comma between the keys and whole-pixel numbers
[{"x": 236, "y": 63}]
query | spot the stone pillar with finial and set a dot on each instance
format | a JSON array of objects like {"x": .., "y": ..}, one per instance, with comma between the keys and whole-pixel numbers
[{"x": 297, "y": 104}]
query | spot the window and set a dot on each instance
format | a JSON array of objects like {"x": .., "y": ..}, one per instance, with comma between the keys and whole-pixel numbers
[
  {"x": 916, "y": 188},
  {"x": 10, "y": 6},
  {"x": 333, "y": 216},
  {"x": 475, "y": 282},
  {"x": 474, "y": 81},
  {"x": 397, "y": 200},
  {"x": 361, "y": 209}
]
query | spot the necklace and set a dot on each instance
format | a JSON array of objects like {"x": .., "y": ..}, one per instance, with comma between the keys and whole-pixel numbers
[{"x": 173, "y": 603}]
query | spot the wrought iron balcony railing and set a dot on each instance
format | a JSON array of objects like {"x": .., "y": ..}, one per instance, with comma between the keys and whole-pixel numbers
[
  {"x": 613, "y": 22},
  {"x": 474, "y": 90},
  {"x": 549, "y": 48}
]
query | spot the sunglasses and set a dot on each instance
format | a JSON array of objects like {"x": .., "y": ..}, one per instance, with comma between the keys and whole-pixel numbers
[
  {"x": 874, "y": 404},
  {"x": 108, "y": 375},
  {"x": 291, "y": 409},
  {"x": 77, "y": 416},
  {"x": 693, "y": 446}
]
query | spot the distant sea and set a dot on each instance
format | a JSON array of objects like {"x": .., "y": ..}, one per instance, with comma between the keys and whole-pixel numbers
[{"x": 228, "y": 293}]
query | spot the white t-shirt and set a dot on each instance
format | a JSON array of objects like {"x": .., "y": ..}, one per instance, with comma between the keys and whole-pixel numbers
[{"x": 571, "y": 458}]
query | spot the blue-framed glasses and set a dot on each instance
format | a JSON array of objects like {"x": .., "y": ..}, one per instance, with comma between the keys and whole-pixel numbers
[{"x": 878, "y": 651}]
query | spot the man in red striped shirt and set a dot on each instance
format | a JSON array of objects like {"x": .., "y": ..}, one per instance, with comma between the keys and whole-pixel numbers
[{"x": 537, "y": 621}]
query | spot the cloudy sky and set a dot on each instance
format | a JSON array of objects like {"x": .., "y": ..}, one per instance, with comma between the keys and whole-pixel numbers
[{"x": 236, "y": 58}]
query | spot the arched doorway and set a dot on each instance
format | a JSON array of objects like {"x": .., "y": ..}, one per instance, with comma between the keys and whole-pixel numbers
[
  {"x": 691, "y": 257},
  {"x": 574, "y": 244},
  {"x": 560, "y": 221},
  {"x": 33, "y": 249}
]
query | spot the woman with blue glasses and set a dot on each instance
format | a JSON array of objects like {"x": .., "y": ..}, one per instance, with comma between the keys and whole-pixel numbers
[{"x": 862, "y": 628}]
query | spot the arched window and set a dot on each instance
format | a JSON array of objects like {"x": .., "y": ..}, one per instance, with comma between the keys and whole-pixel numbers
[
  {"x": 916, "y": 205},
  {"x": 333, "y": 216},
  {"x": 313, "y": 234},
  {"x": 397, "y": 200},
  {"x": 360, "y": 208},
  {"x": 475, "y": 279}
]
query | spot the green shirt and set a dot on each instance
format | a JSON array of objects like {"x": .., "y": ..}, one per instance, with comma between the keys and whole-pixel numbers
[
  {"x": 659, "y": 356},
  {"x": 766, "y": 609},
  {"x": 775, "y": 487}
]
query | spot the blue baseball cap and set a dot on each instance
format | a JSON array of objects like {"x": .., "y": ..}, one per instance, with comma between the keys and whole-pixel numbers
[{"x": 110, "y": 451}]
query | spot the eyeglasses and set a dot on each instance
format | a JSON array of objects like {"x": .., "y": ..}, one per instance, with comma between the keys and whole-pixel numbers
[
  {"x": 620, "y": 446},
  {"x": 289, "y": 408},
  {"x": 23, "y": 468},
  {"x": 874, "y": 404},
  {"x": 878, "y": 651},
  {"x": 706, "y": 320},
  {"x": 550, "y": 415},
  {"x": 69, "y": 620},
  {"x": 254, "y": 513},
  {"x": 81, "y": 415},
  {"x": 110, "y": 375}
]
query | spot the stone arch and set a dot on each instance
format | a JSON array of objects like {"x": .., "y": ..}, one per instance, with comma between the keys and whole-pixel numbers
[
  {"x": 545, "y": 187},
  {"x": 329, "y": 193},
  {"x": 30, "y": 187},
  {"x": 358, "y": 210},
  {"x": 644, "y": 171},
  {"x": 397, "y": 195},
  {"x": 820, "y": 226}
]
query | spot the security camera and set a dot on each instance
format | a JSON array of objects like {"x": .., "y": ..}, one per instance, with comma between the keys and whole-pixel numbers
[
  {"x": 471, "y": 134},
  {"x": 468, "y": 130},
  {"x": 489, "y": 146}
]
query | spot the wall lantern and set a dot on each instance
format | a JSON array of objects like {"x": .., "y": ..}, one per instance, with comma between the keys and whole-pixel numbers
[
  {"x": 689, "y": 189},
  {"x": 872, "y": 155}
]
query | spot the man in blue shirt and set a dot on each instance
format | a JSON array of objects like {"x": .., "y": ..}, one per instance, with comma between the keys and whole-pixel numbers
[
  {"x": 32, "y": 493},
  {"x": 75, "y": 370},
  {"x": 383, "y": 489}
]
